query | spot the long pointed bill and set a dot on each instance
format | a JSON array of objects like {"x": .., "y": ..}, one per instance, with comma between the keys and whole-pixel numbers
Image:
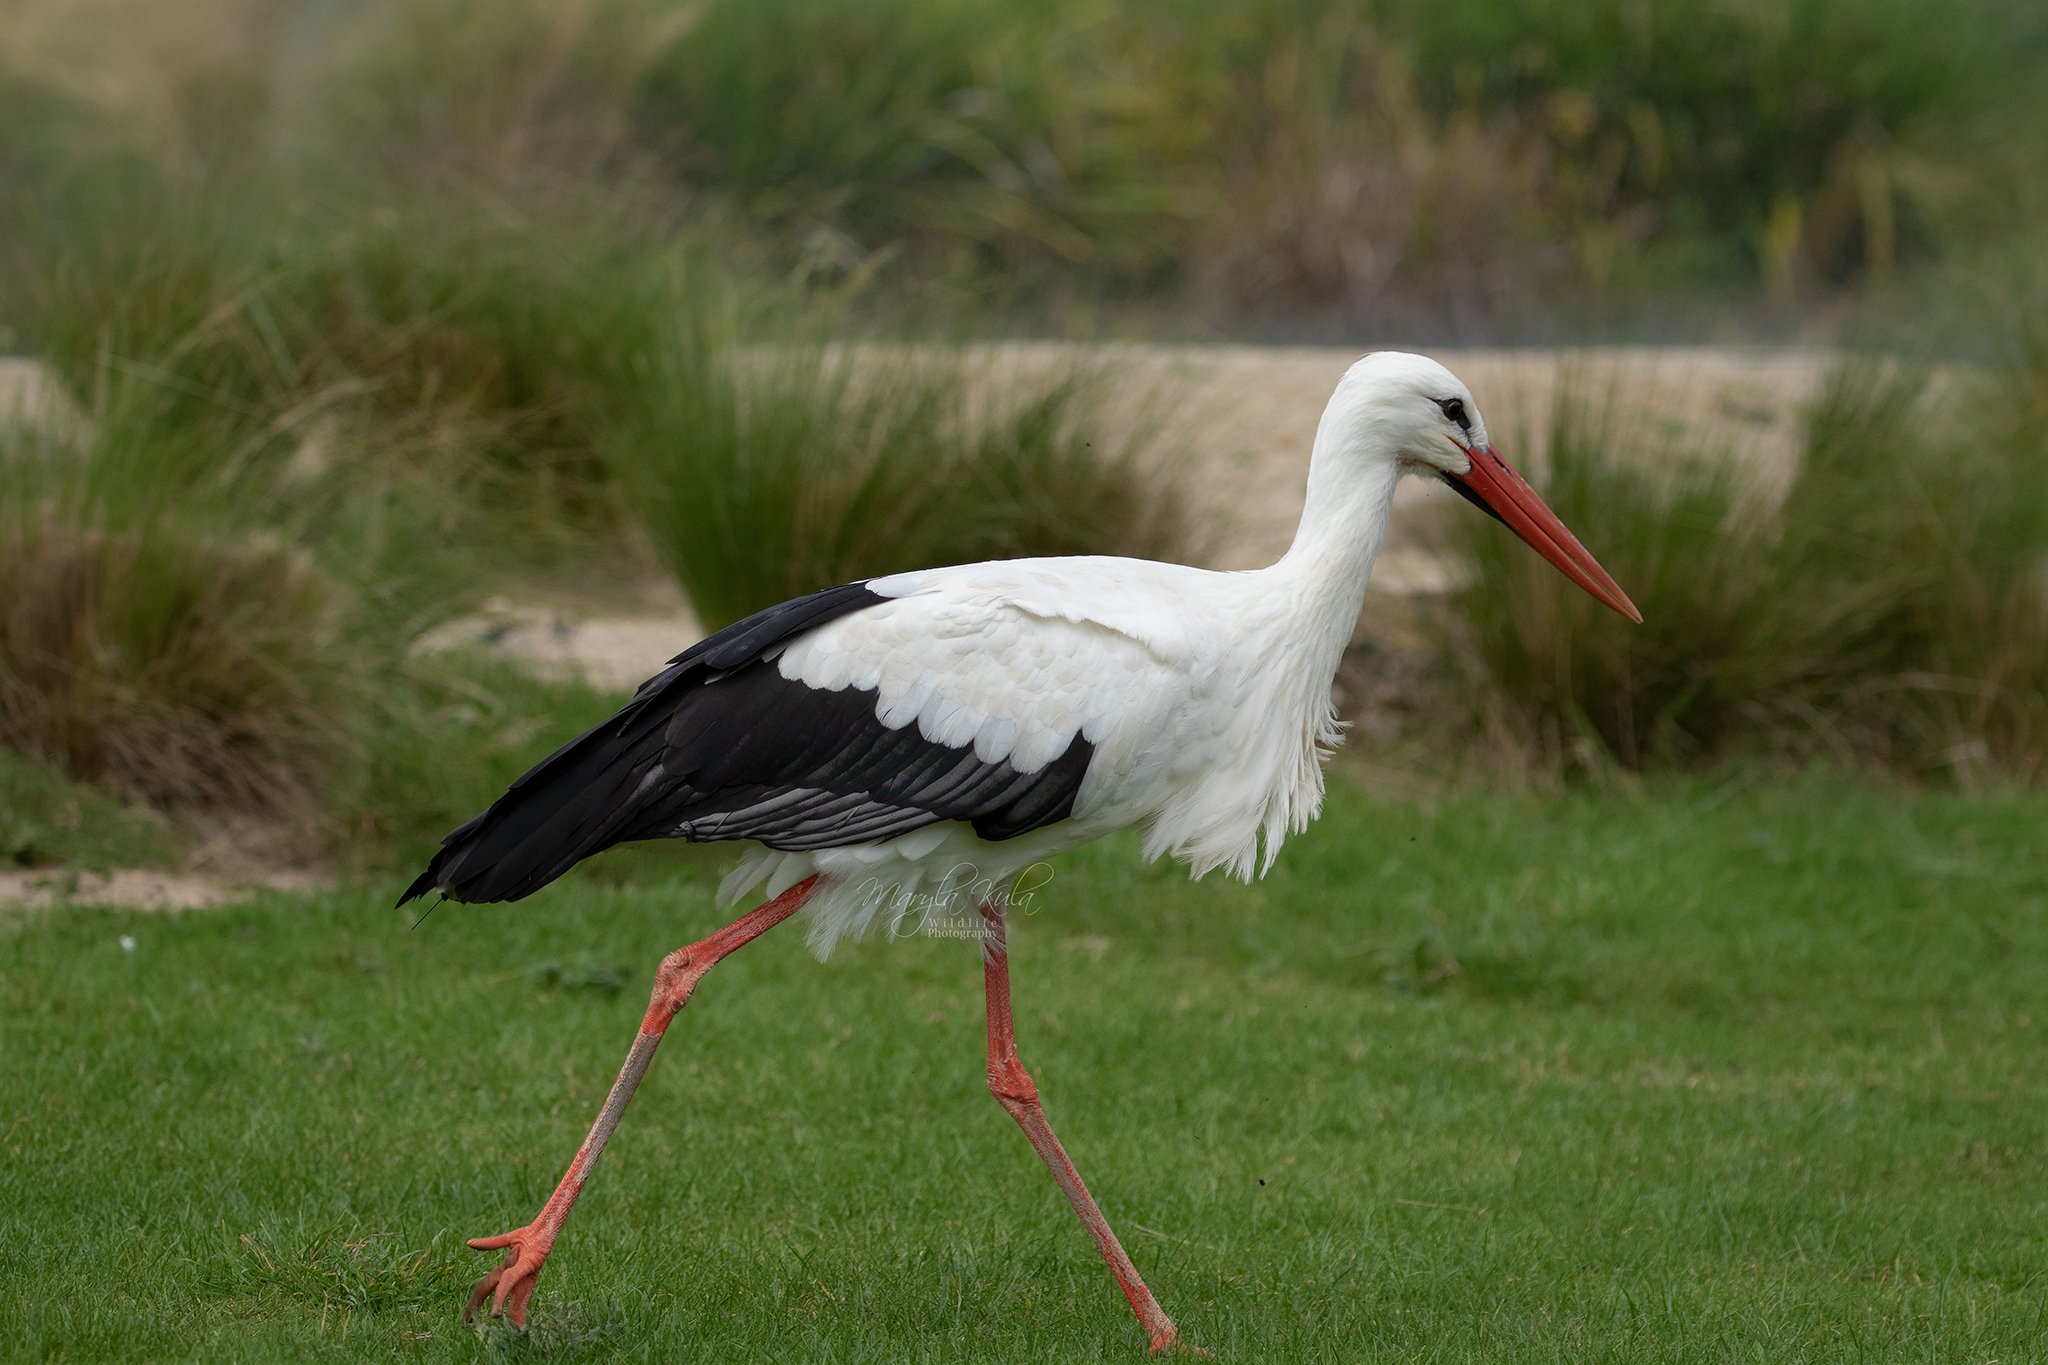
[{"x": 1493, "y": 486}]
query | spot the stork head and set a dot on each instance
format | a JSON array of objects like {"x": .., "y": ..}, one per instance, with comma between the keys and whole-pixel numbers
[{"x": 1410, "y": 409}]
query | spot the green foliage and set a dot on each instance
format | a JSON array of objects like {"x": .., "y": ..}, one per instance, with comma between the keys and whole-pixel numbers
[
  {"x": 1766, "y": 138},
  {"x": 1282, "y": 148},
  {"x": 216, "y": 572},
  {"x": 441, "y": 344},
  {"x": 978, "y": 136},
  {"x": 313, "y": 438},
  {"x": 373, "y": 306},
  {"x": 1889, "y": 611},
  {"x": 1369, "y": 158},
  {"x": 448, "y": 734},
  {"x": 1722, "y": 1073}
]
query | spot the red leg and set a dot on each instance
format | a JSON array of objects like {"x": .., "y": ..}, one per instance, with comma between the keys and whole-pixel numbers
[
  {"x": 510, "y": 1286},
  {"x": 1013, "y": 1087}
]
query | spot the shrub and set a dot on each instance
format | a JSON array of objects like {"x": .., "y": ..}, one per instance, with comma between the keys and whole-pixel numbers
[
  {"x": 1541, "y": 666},
  {"x": 190, "y": 619},
  {"x": 1341, "y": 188},
  {"x": 457, "y": 336},
  {"x": 1035, "y": 154},
  {"x": 1382, "y": 145},
  {"x": 176, "y": 668},
  {"x": 997, "y": 146}
]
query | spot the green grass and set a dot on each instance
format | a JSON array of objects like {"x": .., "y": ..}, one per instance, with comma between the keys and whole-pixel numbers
[
  {"x": 1720, "y": 1073},
  {"x": 50, "y": 820},
  {"x": 453, "y": 732}
]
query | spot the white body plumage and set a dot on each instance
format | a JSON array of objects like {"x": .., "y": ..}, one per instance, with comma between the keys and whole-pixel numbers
[{"x": 1206, "y": 695}]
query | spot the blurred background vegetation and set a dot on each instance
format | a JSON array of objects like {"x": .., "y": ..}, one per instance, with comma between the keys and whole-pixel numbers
[{"x": 361, "y": 313}]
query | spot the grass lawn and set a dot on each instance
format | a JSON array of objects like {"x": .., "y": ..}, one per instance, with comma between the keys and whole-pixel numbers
[{"x": 1713, "y": 1073}]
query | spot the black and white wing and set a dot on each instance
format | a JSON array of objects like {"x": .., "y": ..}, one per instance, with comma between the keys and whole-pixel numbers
[{"x": 850, "y": 715}]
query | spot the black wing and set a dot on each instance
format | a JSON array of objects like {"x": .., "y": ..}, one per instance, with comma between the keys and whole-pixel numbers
[{"x": 720, "y": 745}]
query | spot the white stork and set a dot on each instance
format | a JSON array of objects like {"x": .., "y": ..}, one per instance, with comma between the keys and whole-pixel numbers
[{"x": 871, "y": 741}]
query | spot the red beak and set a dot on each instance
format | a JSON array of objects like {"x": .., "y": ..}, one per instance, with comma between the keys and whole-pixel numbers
[{"x": 1493, "y": 485}]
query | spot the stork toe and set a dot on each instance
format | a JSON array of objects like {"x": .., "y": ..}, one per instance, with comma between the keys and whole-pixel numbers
[{"x": 509, "y": 1286}]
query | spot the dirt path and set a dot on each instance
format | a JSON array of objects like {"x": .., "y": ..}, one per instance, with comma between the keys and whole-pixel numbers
[
  {"x": 138, "y": 888},
  {"x": 230, "y": 858}
]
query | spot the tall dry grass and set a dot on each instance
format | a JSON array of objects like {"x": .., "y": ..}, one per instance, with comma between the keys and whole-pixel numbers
[{"x": 179, "y": 626}]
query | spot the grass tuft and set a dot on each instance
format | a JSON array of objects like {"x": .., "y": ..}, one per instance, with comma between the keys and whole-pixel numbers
[
  {"x": 340, "y": 1270},
  {"x": 176, "y": 669},
  {"x": 205, "y": 598},
  {"x": 763, "y": 472},
  {"x": 1889, "y": 611},
  {"x": 162, "y": 634}
]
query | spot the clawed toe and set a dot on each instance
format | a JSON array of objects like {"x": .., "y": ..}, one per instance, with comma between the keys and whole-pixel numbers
[{"x": 509, "y": 1287}]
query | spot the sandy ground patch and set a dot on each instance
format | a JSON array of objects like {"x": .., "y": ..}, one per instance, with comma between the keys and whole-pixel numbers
[
  {"x": 232, "y": 857},
  {"x": 616, "y": 653},
  {"x": 138, "y": 888},
  {"x": 31, "y": 398}
]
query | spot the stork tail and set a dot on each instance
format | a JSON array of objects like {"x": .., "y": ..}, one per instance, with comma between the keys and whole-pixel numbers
[{"x": 579, "y": 801}]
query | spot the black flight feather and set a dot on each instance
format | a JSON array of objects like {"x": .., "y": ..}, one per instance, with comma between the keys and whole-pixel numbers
[{"x": 720, "y": 745}]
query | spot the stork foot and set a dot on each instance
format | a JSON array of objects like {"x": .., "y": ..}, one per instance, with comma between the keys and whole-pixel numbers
[{"x": 510, "y": 1286}]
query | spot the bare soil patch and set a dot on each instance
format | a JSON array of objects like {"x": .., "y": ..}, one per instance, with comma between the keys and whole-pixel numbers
[{"x": 139, "y": 888}]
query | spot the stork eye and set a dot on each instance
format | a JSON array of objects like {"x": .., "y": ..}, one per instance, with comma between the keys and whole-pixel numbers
[{"x": 1454, "y": 408}]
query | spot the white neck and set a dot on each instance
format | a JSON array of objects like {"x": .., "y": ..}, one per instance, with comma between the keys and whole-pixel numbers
[
  {"x": 1297, "y": 617},
  {"x": 1319, "y": 584}
]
